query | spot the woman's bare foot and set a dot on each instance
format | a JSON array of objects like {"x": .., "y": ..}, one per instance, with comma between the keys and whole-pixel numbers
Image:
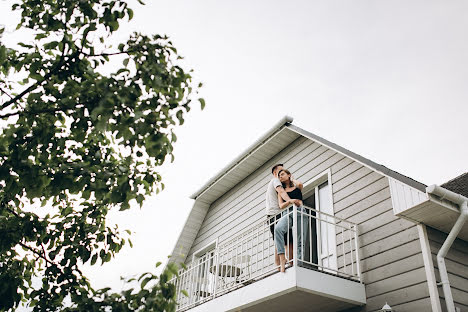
[{"x": 282, "y": 263}]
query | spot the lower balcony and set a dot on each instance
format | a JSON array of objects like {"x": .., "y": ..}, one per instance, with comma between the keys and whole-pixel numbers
[{"x": 241, "y": 275}]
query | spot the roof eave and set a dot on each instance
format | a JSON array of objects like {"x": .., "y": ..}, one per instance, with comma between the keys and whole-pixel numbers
[{"x": 284, "y": 121}]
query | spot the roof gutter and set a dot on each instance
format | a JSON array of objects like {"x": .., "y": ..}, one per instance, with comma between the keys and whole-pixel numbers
[
  {"x": 462, "y": 202},
  {"x": 285, "y": 120}
]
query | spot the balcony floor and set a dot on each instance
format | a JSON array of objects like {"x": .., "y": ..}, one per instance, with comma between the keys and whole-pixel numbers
[{"x": 298, "y": 289}]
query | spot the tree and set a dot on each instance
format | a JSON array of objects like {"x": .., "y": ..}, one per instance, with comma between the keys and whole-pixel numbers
[{"x": 80, "y": 142}]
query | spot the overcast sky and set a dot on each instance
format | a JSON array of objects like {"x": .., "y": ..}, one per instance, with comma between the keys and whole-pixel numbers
[{"x": 385, "y": 79}]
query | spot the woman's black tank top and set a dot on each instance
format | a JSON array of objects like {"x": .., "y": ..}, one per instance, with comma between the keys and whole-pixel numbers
[{"x": 295, "y": 194}]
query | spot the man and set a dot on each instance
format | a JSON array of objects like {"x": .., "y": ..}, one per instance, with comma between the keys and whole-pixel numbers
[{"x": 273, "y": 210}]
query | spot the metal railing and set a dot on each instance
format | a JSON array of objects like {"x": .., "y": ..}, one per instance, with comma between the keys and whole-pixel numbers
[{"x": 324, "y": 243}]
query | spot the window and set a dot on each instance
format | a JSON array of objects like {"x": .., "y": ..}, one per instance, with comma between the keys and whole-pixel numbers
[
  {"x": 203, "y": 262},
  {"x": 321, "y": 241}
]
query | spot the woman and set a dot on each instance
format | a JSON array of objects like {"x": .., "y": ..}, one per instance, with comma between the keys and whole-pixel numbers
[{"x": 294, "y": 190}]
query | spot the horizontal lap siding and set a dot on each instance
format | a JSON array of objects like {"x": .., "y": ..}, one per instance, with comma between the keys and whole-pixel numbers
[
  {"x": 244, "y": 204},
  {"x": 391, "y": 261},
  {"x": 456, "y": 262}
]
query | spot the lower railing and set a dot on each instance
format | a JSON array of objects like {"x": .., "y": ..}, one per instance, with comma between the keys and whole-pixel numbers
[{"x": 323, "y": 242}]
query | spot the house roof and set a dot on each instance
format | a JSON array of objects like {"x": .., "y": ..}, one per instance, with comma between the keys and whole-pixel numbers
[
  {"x": 270, "y": 144},
  {"x": 458, "y": 185}
]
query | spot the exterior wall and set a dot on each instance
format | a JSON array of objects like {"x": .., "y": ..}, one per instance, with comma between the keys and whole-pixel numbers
[
  {"x": 391, "y": 261},
  {"x": 244, "y": 205},
  {"x": 457, "y": 267}
]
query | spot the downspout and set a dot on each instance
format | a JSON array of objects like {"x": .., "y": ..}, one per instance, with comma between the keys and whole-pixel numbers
[{"x": 462, "y": 202}]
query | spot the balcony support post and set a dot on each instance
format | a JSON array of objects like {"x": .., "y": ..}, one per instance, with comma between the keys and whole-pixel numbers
[
  {"x": 215, "y": 273},
  {"x": 356, "y": 244},
  {"x": 294, "y": 235}
]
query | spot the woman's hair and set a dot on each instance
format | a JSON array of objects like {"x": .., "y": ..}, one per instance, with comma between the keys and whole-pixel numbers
[{"x": 291, "y": 184}]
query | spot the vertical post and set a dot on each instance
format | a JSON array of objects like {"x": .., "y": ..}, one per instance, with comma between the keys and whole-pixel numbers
[
  {"x": 302, "y": 235},
  {"x": 294, "y": 234},
  {"x": 351, "y": 248},
  {"x": 358, "y": 266},
  {"x": 263, "y": 245},
  {"x": 215, "y": 270},
  {"x": 343, "y": 249}
]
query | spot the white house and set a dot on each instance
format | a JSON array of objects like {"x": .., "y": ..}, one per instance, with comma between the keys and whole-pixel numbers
[{"x": 372, "y": 235}]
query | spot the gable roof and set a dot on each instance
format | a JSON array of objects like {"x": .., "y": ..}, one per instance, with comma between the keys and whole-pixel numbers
[
  {"x": 458, "y": 185},
  {"x": 270, "y": 144}
]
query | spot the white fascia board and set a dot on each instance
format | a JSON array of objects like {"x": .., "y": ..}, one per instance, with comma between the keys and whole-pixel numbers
[
  {"x": 260, "y": 291},
  {"x": 404, "y": 196},
  {"x": 244, "y": 154},
  {"x": 359, "y": 159},
  {"x": 195, "y": 218},
  {"x": 330, "y": 286},
  {"x": 278, "y": 284}
]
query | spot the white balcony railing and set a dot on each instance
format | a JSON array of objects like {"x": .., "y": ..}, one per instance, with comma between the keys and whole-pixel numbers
[{"x": 329, "y": 244}]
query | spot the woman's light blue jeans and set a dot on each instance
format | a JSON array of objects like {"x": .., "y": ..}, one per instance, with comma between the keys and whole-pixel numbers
[{"x": 285, "y": 223}]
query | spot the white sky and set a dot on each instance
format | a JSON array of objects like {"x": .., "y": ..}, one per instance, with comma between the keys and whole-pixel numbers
[{"x": 385, "y": 79}]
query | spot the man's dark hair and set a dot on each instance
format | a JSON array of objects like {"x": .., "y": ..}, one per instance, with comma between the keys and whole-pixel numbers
[{"x": 275, "y": 166}]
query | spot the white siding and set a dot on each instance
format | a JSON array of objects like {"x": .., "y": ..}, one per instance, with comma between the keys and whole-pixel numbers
[
  {"x": 244, "y": 204},
  {"x": 391, "y": 259},
  {"x": 456, "y": 262},
  {"x": 405, "y": 196}
]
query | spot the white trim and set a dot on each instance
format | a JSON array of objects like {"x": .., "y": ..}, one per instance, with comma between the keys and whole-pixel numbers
[
  {"x": 205, "y": 249},
  {"x": 245, "y": 154},
  {"x": 429, "y": 268},
  {"x": 310, "y": 185},
  {"x": 342, "y": 153},
  {"x": 276, "y": 285}
]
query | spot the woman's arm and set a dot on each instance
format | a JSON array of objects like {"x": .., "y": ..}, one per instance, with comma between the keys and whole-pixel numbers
[{"x": 283, "y": 204}]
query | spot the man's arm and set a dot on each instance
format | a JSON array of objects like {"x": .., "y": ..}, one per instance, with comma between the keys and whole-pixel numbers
[
  {"x": 281, "y": 192},
  {"x": 298, "y": 184}
]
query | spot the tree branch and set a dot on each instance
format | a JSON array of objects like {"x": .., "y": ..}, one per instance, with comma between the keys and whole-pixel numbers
[
  {"x": 52, "y": 110},
  {"x": 107, "y": 54},
  {"x": 38, "y": 83},
  {"x": 1, "y": 89},
  {"x": 37, "y": 253}
]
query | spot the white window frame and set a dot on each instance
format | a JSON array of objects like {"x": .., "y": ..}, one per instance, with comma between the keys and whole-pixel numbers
[
  {"x": 310, "y": 188},
  {"x": 202, "y": 251},
  {"x": 206, "y": 283}
]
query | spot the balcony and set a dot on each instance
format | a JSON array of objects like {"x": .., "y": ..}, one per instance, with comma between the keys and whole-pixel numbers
[{"x": 240, "y": 273}]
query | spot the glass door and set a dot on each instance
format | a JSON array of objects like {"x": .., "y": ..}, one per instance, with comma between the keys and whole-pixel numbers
[{"x": 326, "y": 227}]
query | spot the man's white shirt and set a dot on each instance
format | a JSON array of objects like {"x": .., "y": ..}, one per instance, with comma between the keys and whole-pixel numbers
[{"x": 271, "y": 200}]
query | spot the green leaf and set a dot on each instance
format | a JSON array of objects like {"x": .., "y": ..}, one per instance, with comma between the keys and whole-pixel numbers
[
  {"x": 107, "y": 257},
  {"x": 202, "y": 103},
  {"x": 72, "y": 161},
  {"x": 145, "y": 281},
  {"x": 51, "y": 45},
  {"x": 2, "y": 53}
]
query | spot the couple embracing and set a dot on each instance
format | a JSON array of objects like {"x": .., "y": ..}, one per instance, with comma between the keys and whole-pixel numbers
[{"x": 282, "y": 193}]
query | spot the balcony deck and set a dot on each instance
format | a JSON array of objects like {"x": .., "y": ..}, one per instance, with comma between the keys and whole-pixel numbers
[
  {"x": 240, "y": 274},
  {"x": 298, "y": 289}
]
